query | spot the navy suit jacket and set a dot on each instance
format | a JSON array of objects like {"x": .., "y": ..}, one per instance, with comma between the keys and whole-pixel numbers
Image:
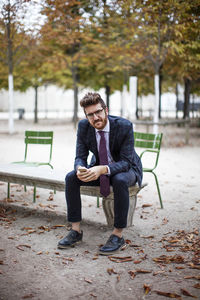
[{"x": 121, "y": 142}]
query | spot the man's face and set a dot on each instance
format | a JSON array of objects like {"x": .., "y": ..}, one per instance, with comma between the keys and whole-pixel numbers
[{"x": 97, "y": 116}]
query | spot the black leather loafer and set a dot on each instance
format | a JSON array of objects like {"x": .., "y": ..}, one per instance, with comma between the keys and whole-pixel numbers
[
  {"x": 113, "y": 245},
  {"x": 73, "y": 237}
]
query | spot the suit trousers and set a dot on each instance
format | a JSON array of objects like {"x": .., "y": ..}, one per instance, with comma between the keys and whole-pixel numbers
[{"x": 120, "y": 183}]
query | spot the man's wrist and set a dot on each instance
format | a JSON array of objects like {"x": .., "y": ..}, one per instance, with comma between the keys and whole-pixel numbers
[{"x": 106, "y": 170}]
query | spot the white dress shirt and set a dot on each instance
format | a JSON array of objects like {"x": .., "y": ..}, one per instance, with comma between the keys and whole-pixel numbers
[{"x": 106, "y": 131}]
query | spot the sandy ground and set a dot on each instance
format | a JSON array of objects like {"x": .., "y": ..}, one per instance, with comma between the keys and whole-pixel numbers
[{"x": 163, "y": 245}]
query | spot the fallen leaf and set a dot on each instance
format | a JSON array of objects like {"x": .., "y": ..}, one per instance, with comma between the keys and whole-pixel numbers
[
  {"x": 192, "y": 277},
  {"x": 50, "y": 198},
  {"x": 192, "y": 266},
  {"x": 95, "y": 257},
  {"x": 39, "y": 253},
  {"x": 169, "y": 259},
  {"x": 118, "y": 278},
  {"x": 169, "y": 295},
  {"x": 143, "y": 271},
  {"x": 197, "y": 286},
  {"x": 158, "y": 272},
  {"x": 57, "y": 226},
  {"x": 111, "y": 271},
  {"x": 93, "y": 295},
  {"x": 119, "y": 259},
  {"x": 27, "y": 228},
  {"x": 88, "y": 280},
  {"x": 132, "y": 273},
  {"x": 137, "y": 261},
  {"x": 186, "y": 293},
  {"x": 1, "y": 262},
  {"x": 20, "y": 247},
  {"x": 147, "y": 237},
  {"x": 128, "y": 242},
  {"x": 28, "y": 296},
  {"x": 147, "y": 289},
  {"x": 146, "y": 205},
  {"x": 164, "y": 221},
  {"x": 31, "y": 231},
  {"x": 68, "y": 258}
]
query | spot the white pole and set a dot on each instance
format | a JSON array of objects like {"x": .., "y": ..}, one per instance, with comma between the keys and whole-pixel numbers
[
  {"x": 133, "y": 96},
  {"x": 125, "y": 101},
  {"x": 156, "y": 103},
  {"x": 11, "y": 105}
]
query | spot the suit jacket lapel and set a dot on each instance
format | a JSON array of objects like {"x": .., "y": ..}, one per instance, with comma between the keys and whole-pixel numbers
[
  {"x": 112, "y": 134},
  {"x": 93, "y": 141}
]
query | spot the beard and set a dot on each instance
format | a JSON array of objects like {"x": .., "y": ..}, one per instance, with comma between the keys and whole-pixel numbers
[{"x": 100, "y": 123}]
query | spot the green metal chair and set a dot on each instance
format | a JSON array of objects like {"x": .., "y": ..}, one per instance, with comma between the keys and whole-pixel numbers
[
  {"x": 152, "y": 143},
  {"x": 37, "y": 138}
]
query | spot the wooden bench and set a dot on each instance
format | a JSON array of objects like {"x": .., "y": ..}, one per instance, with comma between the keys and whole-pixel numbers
[{"x": 52, "y": 179}]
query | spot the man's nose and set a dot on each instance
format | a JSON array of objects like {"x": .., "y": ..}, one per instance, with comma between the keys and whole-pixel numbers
[{"x": 95, "y": 117}]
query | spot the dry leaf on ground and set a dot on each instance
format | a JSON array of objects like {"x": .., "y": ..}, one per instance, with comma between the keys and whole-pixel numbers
[
  {"x": 169, "y": 295},
  {"x": 178, "y": 259},
  {"x": 119, "y": 259},
  {"x": 111, "y": 271},
  {"x": 147, "y": 289},
  {"x": 186, "y": 293},
  {"x": 88, "y": 280}
]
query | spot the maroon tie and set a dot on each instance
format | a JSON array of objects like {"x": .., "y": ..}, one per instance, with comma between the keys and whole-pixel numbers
[{"x": 103, "y": 158}]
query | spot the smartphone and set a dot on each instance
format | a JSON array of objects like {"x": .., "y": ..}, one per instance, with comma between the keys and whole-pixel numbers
[{"x": 82, "y": 169}]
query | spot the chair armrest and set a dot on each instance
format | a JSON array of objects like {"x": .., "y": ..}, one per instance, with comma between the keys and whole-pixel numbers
[{"x": 148, "y": 150}]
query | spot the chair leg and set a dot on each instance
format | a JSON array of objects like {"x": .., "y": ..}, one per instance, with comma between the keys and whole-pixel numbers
[
  {"x": 8, "y": 190},
  {"x": 25, "y": 188},
  {"x": 34, "y": 194},
  {"x": 158, "y": 189},
  {"x": 54, "y": 191},
  {"x": 97, "y": 201}
]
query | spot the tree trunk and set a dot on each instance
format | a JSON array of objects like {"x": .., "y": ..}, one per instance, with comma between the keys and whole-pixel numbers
[
  {"x": 160, "y": 93},
  {"x": 156, "y": 103},
  {"x": 10, "y": 76},
  {"x": 186, "y": 111},
  {"x": 75, "y": 88},
  {"x": 11, "y": 104},
  {"x": 108, "y": 96},
  {"x": 36, "y": 105}
]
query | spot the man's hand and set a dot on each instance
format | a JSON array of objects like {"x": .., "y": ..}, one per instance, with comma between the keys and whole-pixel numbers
[{"x": 91, "y": 174}]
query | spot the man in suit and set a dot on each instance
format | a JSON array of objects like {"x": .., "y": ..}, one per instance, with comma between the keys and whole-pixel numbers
[{"x": 114, "y": 162}]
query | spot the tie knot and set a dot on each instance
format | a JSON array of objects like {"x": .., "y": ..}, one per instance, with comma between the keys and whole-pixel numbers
[{"x": 101, "y": 133}]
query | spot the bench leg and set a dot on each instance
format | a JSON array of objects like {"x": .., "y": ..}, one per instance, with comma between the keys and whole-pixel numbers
[
  {"x": 34, "y": 194},
  {"x": 132, "y": 206},
  {"x": 8, "y": 190},
  {"x": 108, "y": 208}
]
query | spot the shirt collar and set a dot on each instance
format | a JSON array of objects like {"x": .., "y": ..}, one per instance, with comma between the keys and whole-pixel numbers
[{"x": 106, "y": 128}]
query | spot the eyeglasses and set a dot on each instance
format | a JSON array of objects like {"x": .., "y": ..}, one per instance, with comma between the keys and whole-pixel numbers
[{"x": 97, "y": 113}]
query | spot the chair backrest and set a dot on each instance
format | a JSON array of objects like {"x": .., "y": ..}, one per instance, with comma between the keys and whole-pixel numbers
[
  {"x": 39, "y": 137},
  {"x": 151, "y": 142},
  {"x": 147, "y": 140}
]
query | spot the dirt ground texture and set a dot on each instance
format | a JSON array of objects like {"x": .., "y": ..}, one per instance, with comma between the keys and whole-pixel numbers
[{"x": 162, "y": 258}]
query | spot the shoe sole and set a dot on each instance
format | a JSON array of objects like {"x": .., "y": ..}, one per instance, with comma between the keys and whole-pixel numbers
[
  {"x": 69, "y": 246},
  {"x": 112, "y": 252}
]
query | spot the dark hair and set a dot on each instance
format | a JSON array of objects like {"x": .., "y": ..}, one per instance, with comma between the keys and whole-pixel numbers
[{"x": 91, "y": 99}]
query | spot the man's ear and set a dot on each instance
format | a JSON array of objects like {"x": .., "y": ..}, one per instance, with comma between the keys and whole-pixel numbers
[{"x": 106, "y": 110}]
